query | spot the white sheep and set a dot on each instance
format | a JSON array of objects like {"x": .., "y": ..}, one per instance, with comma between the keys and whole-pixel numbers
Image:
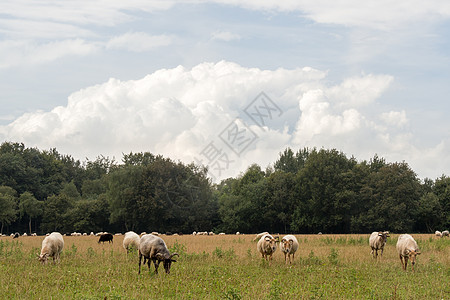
[
  {"x": 438, "y": 233},
  {"x": 52, "y": 246},
  {"x": 259, "y": 235},
  {"x": 377, "y": 241},
  {"x": 289, "y": 245},
  {"x": 154, "y": 248},
  {"x": 267, "y": 245},
  {"x": 407, "y": 249},
  {"x": 131, "y": 239},
  {"x": 445, "y": 233}
]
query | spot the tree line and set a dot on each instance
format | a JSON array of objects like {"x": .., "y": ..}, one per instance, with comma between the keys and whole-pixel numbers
[{"x": 308, "y": 191}]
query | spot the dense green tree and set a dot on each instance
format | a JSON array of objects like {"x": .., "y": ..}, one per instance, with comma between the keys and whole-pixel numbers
[
  {"x": 139, "y": 159},
  {"x": 175, "y": 197},
  {"x": 70, "y": 190},
  {"x": 30, "y": 206},
  {"x": 391, "y": 198},
  {"x": 290, "y": 162},
  {"x": 90, "y": 214},
  {"x": 442, "y": 190},
  {"x": 123, "y": 196},
  {"x": 94, "y": 187},
  {"x": 324, "y": 197},
  {"x": 55, "y": 214},
  {"x": 429, "y": 213},
  {"x": 8, "y": 206},
  {"x": 280, "y": 201},
  {"x": 306, "y": 191}
]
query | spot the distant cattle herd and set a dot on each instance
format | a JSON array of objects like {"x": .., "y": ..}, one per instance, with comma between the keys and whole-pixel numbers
[{"x": 152, "y": 248}]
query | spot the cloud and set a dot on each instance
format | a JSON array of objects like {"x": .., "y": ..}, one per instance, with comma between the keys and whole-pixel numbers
[
  {"x": 360, "y": 91},
  {"x": 225, "y": 36},
  {"x": 25, "y": 52},
  {"x": 395, "y": 118},
  {"x": 138, "y": 42},
  {"x": 179, "y": 112},
  {"x": 377, "y": 14},
  {"x": 103, "y": 13}
]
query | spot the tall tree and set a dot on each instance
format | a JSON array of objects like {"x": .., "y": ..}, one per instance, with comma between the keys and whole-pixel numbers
[
  {"x": 325, "y": 197},
  {"x": 55, "y": 213},
  {"x": 30, "y": 206},
  {"x": 442, "y": 190},
  {"x": 8, "y": 206}
]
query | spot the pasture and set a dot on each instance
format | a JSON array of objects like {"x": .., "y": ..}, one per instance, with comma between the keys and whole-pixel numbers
[{"x": 225, "y": 267}]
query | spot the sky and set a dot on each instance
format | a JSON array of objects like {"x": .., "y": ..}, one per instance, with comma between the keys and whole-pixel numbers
[{"x": 228, "y": 83}]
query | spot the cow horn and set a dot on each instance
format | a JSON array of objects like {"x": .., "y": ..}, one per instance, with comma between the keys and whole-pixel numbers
[{"x": 173, "y": 254}]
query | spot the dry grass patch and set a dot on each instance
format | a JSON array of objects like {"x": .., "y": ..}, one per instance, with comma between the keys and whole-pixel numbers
[{"x": 225, "y": 267}]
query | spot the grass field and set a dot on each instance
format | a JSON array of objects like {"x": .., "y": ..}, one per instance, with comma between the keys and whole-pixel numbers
[{"x": 225, "y": 267}]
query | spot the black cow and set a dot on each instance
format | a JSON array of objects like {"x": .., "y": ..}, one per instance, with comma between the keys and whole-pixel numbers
[{"x": 106, "y": 237}]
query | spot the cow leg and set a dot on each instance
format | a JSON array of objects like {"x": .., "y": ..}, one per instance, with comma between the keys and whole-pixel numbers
[
  {"x": 140, "y": 259},
  {"x": 149, "y": 262},
  {"x": 156, "y": 263}
]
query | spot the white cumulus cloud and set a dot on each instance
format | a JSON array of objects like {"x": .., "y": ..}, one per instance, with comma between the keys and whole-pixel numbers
[
  {"x": 179, "y": 112},
  {"x": 395, "y": 118}
]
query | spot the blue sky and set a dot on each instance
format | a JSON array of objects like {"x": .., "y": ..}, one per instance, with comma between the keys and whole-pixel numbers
[{"x": 109, "y": 77}]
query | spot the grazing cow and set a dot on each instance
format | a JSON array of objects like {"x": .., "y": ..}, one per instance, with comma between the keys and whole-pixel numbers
[
  {"x": 154, "y": 248},
  {"x": 289, "y": 246},
  {"x": 377, "y": 240},
  {"x": 130, "y": 240},
  {"x": 267, "y": 245},
  {"x": 52, "y": 246},
  {"x": 407, "y": 249},
  {"x": 106, "y": 237}
]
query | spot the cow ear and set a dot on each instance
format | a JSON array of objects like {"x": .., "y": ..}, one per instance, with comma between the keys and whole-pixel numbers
[
  {"x": 159, "y": 256},
  {"x": 291, "y": 242},
  {"x": 418, "y": 252},
  {"x": 407, "y": 252}
]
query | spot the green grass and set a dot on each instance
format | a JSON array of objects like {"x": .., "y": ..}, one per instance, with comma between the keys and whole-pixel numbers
[{"x": 225, "y": 267}]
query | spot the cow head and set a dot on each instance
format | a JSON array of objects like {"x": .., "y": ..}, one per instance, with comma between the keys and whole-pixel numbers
[
  {"x": 167, "y": 261},
  {"x": 412, "y": 254},
  {"x": 271, "y": 242},
  {"x": 43, "y": 258},
  {"x": 287, "y": 245}
]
